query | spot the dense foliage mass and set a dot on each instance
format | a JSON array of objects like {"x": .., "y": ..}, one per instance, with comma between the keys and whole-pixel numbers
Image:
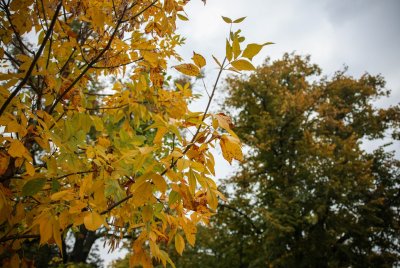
[
  {"x": 79, "y": 162},
  {"x": 309, "y": 194}
]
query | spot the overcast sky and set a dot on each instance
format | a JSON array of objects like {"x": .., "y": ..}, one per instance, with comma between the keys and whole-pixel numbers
[{"x": 362, "y": 34}]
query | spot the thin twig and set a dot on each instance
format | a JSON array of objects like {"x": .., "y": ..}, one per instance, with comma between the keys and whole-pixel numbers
[
  {"x": 37, "y": 56},
  {"x": 89, "y": 65}
]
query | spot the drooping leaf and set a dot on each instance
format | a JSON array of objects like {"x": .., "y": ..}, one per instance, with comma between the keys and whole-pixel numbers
[
  {"x": 93, "y": 221},
  {"x": 179, "y": 243},
  {"x": 231, "y": 148}
]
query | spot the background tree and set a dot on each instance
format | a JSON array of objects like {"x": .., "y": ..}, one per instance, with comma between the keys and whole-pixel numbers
[
  {"x": 308, "y": 194},
  {"x": 78, "y": 161}
]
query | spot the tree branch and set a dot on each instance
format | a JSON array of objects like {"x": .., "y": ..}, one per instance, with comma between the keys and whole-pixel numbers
[
  {"x": 258, "y": 231},
  {"x": 36, "y": 58},
  {"x": 89, "y": 65},
  {"x": 187, "y": 147}
]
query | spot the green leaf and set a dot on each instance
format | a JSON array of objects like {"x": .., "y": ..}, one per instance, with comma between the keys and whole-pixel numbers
[
  {"x": 182, "y": 17},
  {"x": 239, "y": 20},
  {"x": 173, "y": 197},
  {"x": 33, "y": 186},
  {"x": 243, "y": 65},
  {"x": 113, "y": 190},
  {"x": 226, "y": 19},
  {"x": 55, "y": 186},
  {"x": 268, "y": 43}
]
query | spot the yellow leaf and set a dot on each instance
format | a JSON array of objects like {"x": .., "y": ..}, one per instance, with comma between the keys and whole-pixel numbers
[
  {"x": 86, "y": 185},
  {"x": 63, "y": 195},
  {"x": 224, "y": 121},
  {"x": 147, "y": 213},
  {"x": 251, "y": 50},
  {"x": 212, "y": 199},
  {"x": 46, "y": 229},
  {"x": 77, "y": 207},
  {"x": 14, "y": 126},
  {"x": 159, "y": 135},
  {"x": 57, "y": 234},
  {"x": 190, "y": 231},
  {"x": 42, "y": 143},
  {"x": 17, "y": 149},
  {"x": 151, "y": 57},
  {"x": 30, "y": 170},
  {"x": 192, "y": 181},
  {"x": 93, "y": 221},
  {"x": 103, "y": 142},
  {"x": 142, "y": 193},
  {"x": 243, "y": 65},
  {"x": 159, "y": 182},
  {"x": 4, "y": 161},
  {"x": 15, "y": 261},
  {"x": 188, "y": 69},
  {"x": 231, "y": 148},
  {"x": 65, "y": 219},
  {"x": 236, "y": 48},
  {"x": 228, "y": 50},
  {"x": 199, "y": 60},
  {"x": 179, "y": 244}
]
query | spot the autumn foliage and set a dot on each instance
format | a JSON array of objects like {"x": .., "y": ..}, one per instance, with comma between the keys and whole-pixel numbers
[
  {"x": 127, "y": 161},
  {"x": 319, "y": 186}
]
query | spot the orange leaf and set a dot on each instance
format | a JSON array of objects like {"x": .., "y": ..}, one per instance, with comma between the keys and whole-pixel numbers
[
  {"x": 231, "y": 148},
  {"x": 17, "y": 149},
  {"x": 93, "y": 221}
]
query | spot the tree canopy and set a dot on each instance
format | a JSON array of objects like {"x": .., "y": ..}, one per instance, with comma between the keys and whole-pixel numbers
[
  {"x": 309, "y": 193},
  {"x": 130, "y": 161}
]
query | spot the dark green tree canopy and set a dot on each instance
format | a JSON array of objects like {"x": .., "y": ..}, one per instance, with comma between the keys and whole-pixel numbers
[{"x": 309, "y": 194}]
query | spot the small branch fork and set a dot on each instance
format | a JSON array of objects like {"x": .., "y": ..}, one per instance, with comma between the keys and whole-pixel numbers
[{"x": 35, "y": 59}]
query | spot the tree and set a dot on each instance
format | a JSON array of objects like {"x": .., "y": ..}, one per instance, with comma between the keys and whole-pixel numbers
[
  {"x": 308, "y": 194},
  {"x": 84, "y": 162}
]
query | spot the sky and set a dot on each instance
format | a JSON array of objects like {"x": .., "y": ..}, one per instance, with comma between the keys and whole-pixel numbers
[{"x": 362, "y": 34}]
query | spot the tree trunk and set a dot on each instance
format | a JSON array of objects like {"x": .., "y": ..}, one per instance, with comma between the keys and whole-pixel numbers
[{"x": 84, "y": 241}]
